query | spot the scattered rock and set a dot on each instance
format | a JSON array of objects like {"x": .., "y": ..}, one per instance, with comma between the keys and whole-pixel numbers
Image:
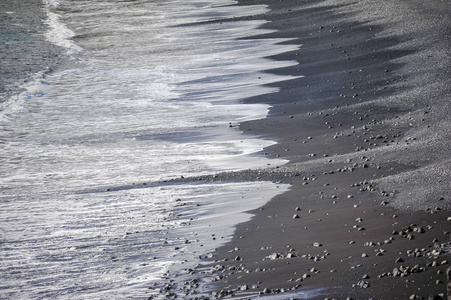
[
  {"x": 274, "y": 256},
  {"x": 420, "y": 230},
  {"x": 363, "y": 284}
]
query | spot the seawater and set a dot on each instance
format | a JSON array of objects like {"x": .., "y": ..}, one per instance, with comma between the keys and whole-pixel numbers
[{"x": 151, "y": 92}]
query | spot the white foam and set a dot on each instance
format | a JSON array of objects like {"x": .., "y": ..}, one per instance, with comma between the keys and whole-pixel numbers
[
  {"x": 147, "y": 103},
  {"x": 58, "y": 33},
  {"x": 111, "y": 244},
  {"x": 36, "y": 87}
]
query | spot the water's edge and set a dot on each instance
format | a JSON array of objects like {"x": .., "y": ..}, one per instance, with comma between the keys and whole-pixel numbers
[{"x": 102, "y": 244}]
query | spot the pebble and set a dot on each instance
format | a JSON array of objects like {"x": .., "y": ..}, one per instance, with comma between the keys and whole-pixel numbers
[
  {"x": 313, "y": 270},
  {"x": 420, "y": 230},
  {"x": 363, "y": 284}
]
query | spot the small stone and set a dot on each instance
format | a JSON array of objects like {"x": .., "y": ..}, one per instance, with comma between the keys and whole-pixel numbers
[
  {"x": 297, "y": 208},
  {"x": 296, "y": 216},
  {"x": 274, "y": 256},
  {"x": 316, "y": 244},
  {"x": 363, "y": 284},
  {"x": 364, "y": 255},
  {"x": 399, "y": 260},
  {"x": 313, "y": 270}
]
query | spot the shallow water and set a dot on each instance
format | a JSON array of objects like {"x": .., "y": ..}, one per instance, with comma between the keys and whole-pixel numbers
[{"x": 145, "y": 98}]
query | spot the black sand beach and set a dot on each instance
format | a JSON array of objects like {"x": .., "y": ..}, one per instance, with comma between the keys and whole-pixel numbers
[{"x": 367, "y": 133}]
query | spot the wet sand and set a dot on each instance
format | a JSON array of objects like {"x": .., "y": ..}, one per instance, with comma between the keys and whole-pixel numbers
[{"x": 367, "y": 133}]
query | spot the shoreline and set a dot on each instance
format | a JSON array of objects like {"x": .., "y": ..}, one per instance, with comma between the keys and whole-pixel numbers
[
  {"x": 354, "y": 129},
  {"x": 367, "y": 213}
]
